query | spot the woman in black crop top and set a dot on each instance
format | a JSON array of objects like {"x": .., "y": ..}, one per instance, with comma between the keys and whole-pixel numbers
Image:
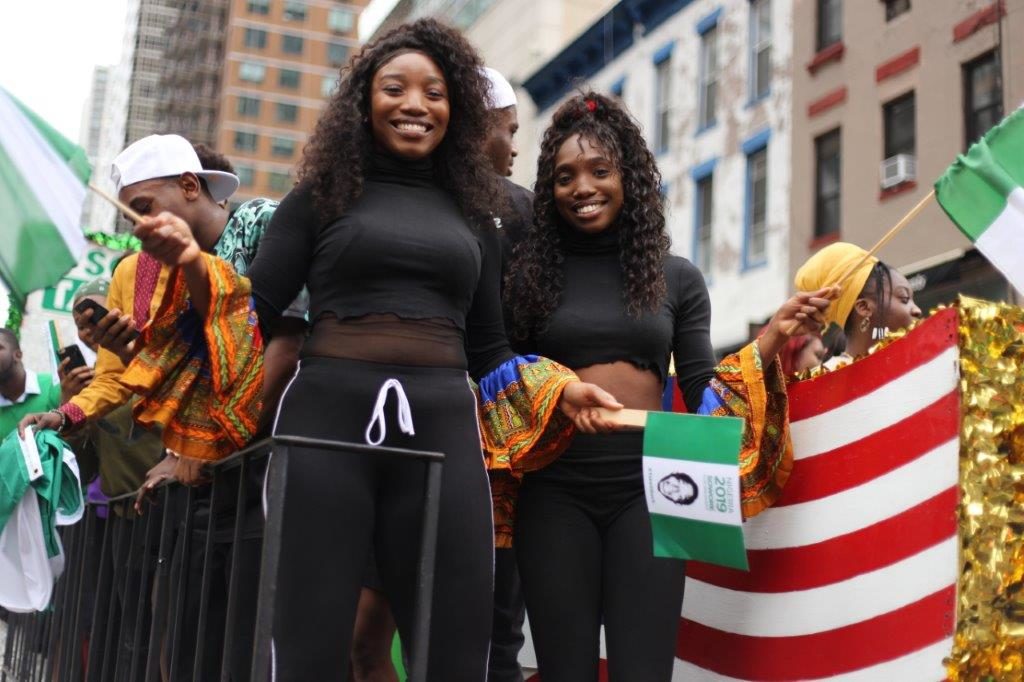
[
  {"x": 592, "y": 286},
  {"x": 390, "y": 229}
]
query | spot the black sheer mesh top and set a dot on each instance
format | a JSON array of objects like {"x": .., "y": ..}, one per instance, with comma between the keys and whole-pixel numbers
[{"x": 401, "y": 277}]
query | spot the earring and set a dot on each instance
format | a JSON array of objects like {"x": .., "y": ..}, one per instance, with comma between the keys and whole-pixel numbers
[{"x": 864, "y": 323}]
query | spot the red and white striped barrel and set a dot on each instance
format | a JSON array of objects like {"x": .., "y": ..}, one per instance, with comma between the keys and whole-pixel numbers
[{"x": 853, "y": 572}]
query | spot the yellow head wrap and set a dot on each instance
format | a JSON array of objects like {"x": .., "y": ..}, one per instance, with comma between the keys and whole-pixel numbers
[{"x": 827, "y": 267}]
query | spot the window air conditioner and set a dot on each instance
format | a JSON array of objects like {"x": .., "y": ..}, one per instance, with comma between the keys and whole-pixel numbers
[{"x": 898, "y": 169}]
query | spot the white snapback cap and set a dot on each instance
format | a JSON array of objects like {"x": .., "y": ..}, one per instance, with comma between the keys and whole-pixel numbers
[
  {"x": 163, "y": 156},
  {"x": 501, "y": 95}
]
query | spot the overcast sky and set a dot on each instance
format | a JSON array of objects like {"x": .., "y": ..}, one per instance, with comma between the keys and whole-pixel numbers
[{"x": 48, "y": 50}]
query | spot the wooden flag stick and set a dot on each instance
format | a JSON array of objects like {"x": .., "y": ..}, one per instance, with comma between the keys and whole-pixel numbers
[
  {"x": 124, "y": 208},
  {"x": 624, "y": 417},
  {"x": 886, "y": 238},
  {"x": 896, "y": 229}
]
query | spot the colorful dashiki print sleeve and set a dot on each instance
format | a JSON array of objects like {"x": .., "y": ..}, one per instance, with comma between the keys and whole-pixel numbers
[
  {"x": 521, "y": 428},
  {"x": 201, "y": 378},
  {"x": 742, "y": 388}
]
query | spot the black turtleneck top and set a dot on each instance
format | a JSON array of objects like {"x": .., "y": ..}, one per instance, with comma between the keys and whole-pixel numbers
[
  {"x": 402, "y": 251},
  {"x": 591, "y": 325}
]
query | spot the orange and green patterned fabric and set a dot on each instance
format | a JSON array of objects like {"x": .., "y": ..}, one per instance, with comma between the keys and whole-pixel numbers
[{"x": 201, "y": 376}]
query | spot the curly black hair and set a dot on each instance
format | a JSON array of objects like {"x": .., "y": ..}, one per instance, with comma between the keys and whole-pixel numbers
[
  {"x": 534, "y": 283},
  {"x": 336, "y": 155}
]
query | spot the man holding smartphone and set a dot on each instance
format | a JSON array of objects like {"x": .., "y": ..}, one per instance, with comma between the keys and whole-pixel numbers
[{"x": 156, "y": 174}]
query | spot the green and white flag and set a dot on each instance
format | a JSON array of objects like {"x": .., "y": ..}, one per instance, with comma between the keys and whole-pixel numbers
[
  {"x": 982, "y": 192},
  {"x": 692, "y": 483},
  {"x": 42, "y": 190}
]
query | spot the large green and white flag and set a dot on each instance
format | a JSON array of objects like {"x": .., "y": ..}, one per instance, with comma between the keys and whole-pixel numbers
[
  {"x": 983, "y": 193},
  {"x": 42, "y": 189},
  {"x": 692, "y": 483}
]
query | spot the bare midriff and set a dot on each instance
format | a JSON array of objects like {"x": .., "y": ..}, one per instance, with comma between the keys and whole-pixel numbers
[{"x": 635, "y": 388}]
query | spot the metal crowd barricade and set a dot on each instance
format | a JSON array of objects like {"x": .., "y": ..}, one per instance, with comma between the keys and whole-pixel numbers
[{"x": 119, "y": 569}]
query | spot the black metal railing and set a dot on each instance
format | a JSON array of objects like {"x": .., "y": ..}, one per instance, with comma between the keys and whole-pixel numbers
[{"x": 124, "y": 608}]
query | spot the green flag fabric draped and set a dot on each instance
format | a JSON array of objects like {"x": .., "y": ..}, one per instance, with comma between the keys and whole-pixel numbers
[
  {"x": 42, "y": 190},
  {"x": 983, "y": 193}
]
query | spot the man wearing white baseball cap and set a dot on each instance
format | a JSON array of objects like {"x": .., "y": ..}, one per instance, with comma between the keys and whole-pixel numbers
[
  {"x": 163, "y": 174},
  {"x": 168, "y": 156},
  {"x": 158, "y": 174}
]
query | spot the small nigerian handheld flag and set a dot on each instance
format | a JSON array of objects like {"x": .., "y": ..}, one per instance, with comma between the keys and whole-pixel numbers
[
  {"x": 982, "y": 192},
  {"x": 42, "y": 190},
  {"x": 692, "y": 483}
]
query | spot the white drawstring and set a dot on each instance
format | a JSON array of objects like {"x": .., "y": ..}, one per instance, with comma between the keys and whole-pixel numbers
[{"x": 378, "y": 420}]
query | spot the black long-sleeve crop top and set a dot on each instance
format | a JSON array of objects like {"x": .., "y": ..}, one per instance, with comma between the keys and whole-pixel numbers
[
  {"x": 591, "y": 325},
  {"x": 403, "y": 249}
]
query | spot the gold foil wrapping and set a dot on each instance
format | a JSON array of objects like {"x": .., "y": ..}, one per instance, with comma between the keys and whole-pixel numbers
[{"x": 989, "y": 641}]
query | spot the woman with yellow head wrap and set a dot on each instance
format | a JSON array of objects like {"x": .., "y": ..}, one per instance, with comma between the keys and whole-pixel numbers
[{"x": 874, "y": 296}]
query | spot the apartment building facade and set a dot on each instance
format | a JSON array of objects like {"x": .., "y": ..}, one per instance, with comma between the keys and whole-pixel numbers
[
  {"x": 885, "y": 95},
  {"x": 281, "y": 63}
]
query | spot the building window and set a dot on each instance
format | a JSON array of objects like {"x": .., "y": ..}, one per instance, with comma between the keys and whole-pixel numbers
[
  {"x": 259, "y": 6},
  {"x": 898, "y": 119},
  {"x": 340, "y": 20},
  {"x": 294, "y": 10},
  {"x": 662, "y": 104},
  {"x": 248, "y": 106},
  {"x": 279, "y": 182},
  {"x": 328, "y": 86},
  {"x": 894, "y": 8},
  {"x": 756, "y": 249},
  {"x": 337, "y": 53},
  {"x": 827, "y": 184},
  {"x": 705, "y": 218},
  {"x": 282, "y": 146},
  {"x": 708, "y": 78},
  {"x": 245, "y": 175},
  {"x": 287, "y": 78},
  {"x": 291, "y": 44},
  {"x": 245, "y": 142},
  {"x": 760, "y": 48},
  {"x": 830, "y": 22},
  {"x": 255, "y": 38},
  {"x": 252, "y": 72},
  {"x": 288, "y": 113},
  {"x": 983, "y": 97}
]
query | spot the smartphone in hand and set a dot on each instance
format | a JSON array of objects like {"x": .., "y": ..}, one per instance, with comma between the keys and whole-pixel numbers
[
  {"x": 98, "y": 313},
  {"x": 74, "y": 354}
]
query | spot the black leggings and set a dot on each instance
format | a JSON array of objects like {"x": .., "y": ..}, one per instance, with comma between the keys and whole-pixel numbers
[
  {"x": 337, "y": 504},
  {"x": 583, "y": 544}
]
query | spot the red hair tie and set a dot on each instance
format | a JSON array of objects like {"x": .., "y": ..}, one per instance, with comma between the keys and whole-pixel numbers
[{"x": 591, "y": 105}]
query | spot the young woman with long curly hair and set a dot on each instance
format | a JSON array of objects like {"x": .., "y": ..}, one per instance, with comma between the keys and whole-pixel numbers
[
  {"x": 593, "y": 286},
  {"x": 390, "y": 229}
]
